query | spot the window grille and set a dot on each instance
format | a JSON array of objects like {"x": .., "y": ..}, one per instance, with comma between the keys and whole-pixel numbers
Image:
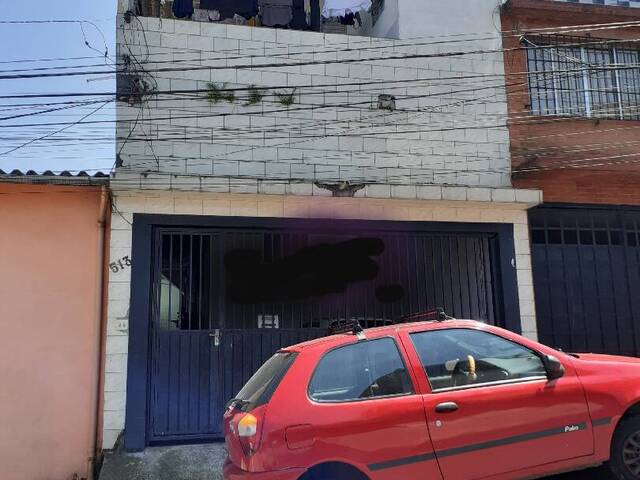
[{"x": 583, "y": 77}]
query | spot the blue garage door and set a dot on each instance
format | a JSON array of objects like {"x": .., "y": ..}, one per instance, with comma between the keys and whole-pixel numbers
[
  {"x": 586, "y": 266},
  {"x": 225, "y": 300}
]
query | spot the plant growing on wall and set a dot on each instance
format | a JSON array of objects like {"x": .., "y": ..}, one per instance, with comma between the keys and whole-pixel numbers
[
  {"x": 286, "y": 99},
  {"x": 256, "y": 95},
  {"x": 216, "y": 93}
]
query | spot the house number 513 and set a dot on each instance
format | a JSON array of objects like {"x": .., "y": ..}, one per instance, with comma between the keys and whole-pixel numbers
[{"x": 120, "y": 264}]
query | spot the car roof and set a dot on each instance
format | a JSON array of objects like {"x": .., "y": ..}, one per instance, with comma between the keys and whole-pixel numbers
[{"x": 345, "y": 338}]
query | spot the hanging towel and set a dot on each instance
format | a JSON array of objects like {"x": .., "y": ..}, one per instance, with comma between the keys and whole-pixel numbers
[
  {"x": 338, "y": 8},
  {"x": 228, "y": 8},
  {"x": 200, "y": 15},
  {"x": 182, "y": 8},
  {"x": 299, "y": 20},
  {"x": 276, "y": 12}
]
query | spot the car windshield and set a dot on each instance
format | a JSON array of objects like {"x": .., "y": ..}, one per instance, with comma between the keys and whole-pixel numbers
[{"x": 260, "y": 387}]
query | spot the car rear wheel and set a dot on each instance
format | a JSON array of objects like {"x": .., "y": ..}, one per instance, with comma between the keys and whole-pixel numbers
[
  {"x": 625, "y": 450},
  {"x": 334, "y": 471}
]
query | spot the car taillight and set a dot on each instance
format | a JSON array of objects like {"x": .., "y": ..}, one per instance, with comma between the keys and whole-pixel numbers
[
  {"x": 248, "y": 426},
  {"x": 249, "y": 430}
]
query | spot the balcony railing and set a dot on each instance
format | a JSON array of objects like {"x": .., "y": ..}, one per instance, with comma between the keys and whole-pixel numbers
[{"x": 351, "y": 17}]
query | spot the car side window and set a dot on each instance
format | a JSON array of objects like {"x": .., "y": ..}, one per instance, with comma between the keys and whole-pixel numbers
[
  {"x": 457, "y": 358},
  {"x": 362, "y": 370}
]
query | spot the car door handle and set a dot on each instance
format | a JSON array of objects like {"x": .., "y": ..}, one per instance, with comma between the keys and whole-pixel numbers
[{"x": 447, "y": 407}]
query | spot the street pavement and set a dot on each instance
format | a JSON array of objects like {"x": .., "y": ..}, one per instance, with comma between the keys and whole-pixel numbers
[{"x": 204, "y": 462}]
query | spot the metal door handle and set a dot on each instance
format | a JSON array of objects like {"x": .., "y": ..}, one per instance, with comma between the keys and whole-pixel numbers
[
  {"x": 447, "y": 407},
  {"x": 216, "y": 337}
]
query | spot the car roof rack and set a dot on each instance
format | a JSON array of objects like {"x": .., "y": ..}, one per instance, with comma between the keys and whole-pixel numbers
[
  {"x": 435, "y": 314},
  {"x": 353, "y": 325},
  {"x": 347, "y": 326}
]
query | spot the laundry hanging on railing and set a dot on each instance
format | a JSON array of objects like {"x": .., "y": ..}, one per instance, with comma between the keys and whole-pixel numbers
[
  {"x": 182, "y": 8},
  {"x": 200, "y": 15},
  {"x": 229, "y": 8},
  {"x": 299, "y": 19},
  {"x": 341, "y": 8},
  {"x": 276, "y": 13},
  {"x": 134, "y": 6}
]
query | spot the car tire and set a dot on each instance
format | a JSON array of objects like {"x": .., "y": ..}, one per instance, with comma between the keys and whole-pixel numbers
[
  {"x": 334, "y": 471},
  {"x": 625, "y": 450}
]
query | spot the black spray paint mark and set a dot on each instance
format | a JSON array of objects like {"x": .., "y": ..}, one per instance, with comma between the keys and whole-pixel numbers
[{"x": 313, "y": 271}]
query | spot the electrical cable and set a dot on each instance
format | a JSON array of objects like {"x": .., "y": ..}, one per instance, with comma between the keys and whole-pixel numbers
[{"x": 52, "y": 133}]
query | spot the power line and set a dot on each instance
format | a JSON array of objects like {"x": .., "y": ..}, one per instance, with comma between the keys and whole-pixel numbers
[
  {"x": 230, "y": 131},
  {"x": 497, "y": 86},
  {"x": 415, "y": 41},
  {"x": 447, "y": 93},
  {"x": 296, "y": 64},
  {"x": 390, "y": 179},
  {"x": 258, "y": 134},
  {"x": 310, "y": 107},
  {"x": 42, "y": 112},
  {"x": 52, "y": 133},
  {"x": 393, "y": 44},
  {"x": 346, "y": 93},
  {"x": 551, "y": 75},
  {"x": 50, "y": 59}
]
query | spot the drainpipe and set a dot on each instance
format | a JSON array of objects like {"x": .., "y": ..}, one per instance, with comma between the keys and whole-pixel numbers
[{"x": 100, "y": 316}]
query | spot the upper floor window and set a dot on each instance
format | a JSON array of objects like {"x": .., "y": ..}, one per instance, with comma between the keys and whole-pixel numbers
[{"x": 584, "y": 78}]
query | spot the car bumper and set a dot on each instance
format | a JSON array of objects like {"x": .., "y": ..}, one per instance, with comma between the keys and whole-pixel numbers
[{"x": 231, "y": 472}]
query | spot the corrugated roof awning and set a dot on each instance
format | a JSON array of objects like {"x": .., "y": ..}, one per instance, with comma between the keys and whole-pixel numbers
[{"x": 64, "y": 177}]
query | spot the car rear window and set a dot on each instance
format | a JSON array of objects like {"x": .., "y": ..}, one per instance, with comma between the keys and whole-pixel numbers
[
  {"x": 260, "y": 387},
  {"x": 359, "y": 371}
]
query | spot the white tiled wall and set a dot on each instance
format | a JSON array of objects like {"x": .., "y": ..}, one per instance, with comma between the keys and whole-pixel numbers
[{"x": 444, "y": 130}]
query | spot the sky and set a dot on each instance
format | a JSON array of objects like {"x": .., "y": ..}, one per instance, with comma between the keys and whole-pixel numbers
[{"x": 88, "y": 147}]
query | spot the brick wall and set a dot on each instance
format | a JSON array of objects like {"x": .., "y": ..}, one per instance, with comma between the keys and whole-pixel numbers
[
  {"x": 610, "y": 3},
  {"x": 335, "y": 130},
  {"x": 578, "y": 160}
]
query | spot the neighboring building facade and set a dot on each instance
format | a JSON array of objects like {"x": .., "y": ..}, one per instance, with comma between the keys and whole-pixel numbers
[
  {"x": 574, "y": 109},
  {"x": 52, "y": 251},
  {"x": 271, "y": 181}
]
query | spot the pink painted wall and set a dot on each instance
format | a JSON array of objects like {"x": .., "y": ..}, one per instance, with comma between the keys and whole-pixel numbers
[{"x": 50, "y": 298}]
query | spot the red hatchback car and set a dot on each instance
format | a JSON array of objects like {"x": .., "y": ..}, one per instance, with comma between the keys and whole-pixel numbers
[{"x": 452, "y": 400}]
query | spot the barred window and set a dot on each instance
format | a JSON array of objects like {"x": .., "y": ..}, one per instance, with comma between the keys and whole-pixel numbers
[{"x": 597, "y": 80}]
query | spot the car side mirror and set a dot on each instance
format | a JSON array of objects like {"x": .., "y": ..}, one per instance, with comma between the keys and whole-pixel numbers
[{"x": 553, "y": 366}]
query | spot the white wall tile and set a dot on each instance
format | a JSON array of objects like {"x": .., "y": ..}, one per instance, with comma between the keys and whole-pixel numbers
[{"x": 387, "y": 135}]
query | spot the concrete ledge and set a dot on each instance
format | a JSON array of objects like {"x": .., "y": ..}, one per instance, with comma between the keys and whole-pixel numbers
[{"x": 124, "y": 181}]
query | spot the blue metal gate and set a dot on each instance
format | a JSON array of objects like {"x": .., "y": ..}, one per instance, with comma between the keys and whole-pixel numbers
[
  {"x": 586, "y": 266},
  {"x": 194, "y": 378},
  {"x": 224, "y": 300}
]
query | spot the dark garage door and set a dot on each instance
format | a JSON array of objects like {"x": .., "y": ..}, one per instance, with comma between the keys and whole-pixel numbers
[
  {"x": 586, "y": 266},
  {"x": 225, "y": 300}
]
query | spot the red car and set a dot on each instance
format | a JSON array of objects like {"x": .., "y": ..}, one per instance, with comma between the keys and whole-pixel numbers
[{"x": 452, "y": 400}]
